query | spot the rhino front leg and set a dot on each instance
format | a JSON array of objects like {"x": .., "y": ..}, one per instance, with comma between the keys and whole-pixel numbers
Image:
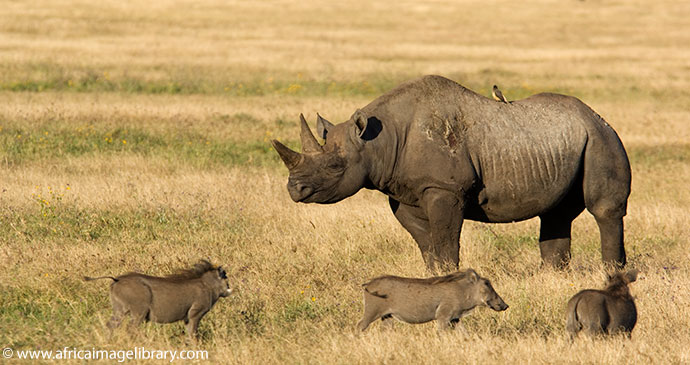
[
  {"x": 415, "y": 221},
  {"x": 435, "y": 227},
  {"x": 445, "y": 212}
]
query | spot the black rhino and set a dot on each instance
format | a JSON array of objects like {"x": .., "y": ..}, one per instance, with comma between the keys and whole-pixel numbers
[{"x": 443, "y": 153}]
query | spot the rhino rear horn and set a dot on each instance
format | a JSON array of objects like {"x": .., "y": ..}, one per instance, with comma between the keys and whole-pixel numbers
[
  {"x": 289, "y": 157},
  {"x": 309, "y": 142},
  {"x": 322, "y": 126}
]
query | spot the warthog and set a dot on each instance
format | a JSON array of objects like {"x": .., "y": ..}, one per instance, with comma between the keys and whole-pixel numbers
[
  {"x": 607, "y": 311},
  {"x": 443, "y": 298},
  {"x": 186, "y": 296}
]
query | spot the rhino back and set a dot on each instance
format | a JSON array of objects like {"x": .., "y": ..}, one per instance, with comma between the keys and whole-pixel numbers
[{"x": 527, "y": 154}]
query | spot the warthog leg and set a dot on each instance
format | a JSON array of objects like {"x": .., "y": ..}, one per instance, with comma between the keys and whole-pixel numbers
[
  {"x": 372, "y": 311},
  {"x": 444, "y": 317},
  {"x": 119, "y": 311},
  {"x": 387, "y": 321},
  {"x": 194, "y": 315}
]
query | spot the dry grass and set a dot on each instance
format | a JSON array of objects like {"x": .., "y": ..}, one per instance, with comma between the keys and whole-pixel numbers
[{"x": 196, "y": 89}]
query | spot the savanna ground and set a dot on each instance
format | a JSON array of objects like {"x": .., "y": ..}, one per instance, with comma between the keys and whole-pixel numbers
[{"x": 135, "y": 136}]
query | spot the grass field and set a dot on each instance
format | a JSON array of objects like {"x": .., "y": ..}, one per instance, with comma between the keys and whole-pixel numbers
[{"x": 134, "y": 136}]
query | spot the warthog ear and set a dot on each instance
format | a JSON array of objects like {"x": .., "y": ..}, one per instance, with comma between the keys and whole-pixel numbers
[
  {"x": 221, "y": 273},
  {"x": 322, "y": 126},
  {"x": 472, "y": 276},
  {"x": 631, "y": 275}
]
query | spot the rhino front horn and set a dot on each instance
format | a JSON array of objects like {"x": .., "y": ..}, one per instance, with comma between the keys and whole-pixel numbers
[
  {"x": 309, "y": 142},
  {"x": 289, "y": 157}
]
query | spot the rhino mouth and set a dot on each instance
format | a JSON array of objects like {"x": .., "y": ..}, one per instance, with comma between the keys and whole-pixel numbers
[
  {"x": 310, "y": 195},
  {"x": 300, "y": 192}
]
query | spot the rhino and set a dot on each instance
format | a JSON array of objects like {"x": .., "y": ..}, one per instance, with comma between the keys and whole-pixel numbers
[{"x": 443, "y": 153}]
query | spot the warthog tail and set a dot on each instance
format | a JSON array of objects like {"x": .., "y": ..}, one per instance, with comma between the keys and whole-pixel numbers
[
  {"x": 88, "y": 278},
  {"x": 376, "y": 294}
]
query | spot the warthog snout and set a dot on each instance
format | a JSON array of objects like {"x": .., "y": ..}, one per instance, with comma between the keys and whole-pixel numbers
[
  {"x": 486, "y": 293},
  {"x": 497, "y": 304},
  {"x": 226, "y": 293}
]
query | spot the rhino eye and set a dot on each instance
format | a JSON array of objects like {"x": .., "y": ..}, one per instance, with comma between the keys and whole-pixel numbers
[{"x": 335, "y": 165}]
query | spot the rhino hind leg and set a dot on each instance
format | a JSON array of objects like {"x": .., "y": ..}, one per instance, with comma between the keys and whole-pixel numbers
[
  {"x": 611, "y": 231},
  {"x": 555, "y": 229},
  {"x": 606, "y": 186},
  {"x": 608, "y": 211},
  {"x": 554, "y": 241}
]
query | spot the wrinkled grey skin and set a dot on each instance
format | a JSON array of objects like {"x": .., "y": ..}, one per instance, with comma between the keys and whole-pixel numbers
[
  {"x": 602, "y": 312},
  {"x": 445, "y": 299},
  {"x": 186, "y": 297},
  {"x": 443, "y": 153}
]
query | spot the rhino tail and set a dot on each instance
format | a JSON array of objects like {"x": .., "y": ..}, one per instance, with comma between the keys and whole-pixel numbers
[{"x": 88, "y": 278}]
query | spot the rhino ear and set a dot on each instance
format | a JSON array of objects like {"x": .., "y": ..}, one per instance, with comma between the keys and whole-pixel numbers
[
  {"x": 361, "y": 121},
  {"x": 366, "y": 127},
  {"x": 631, "y": 275},
  {"x": 322, "y": 126}
]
